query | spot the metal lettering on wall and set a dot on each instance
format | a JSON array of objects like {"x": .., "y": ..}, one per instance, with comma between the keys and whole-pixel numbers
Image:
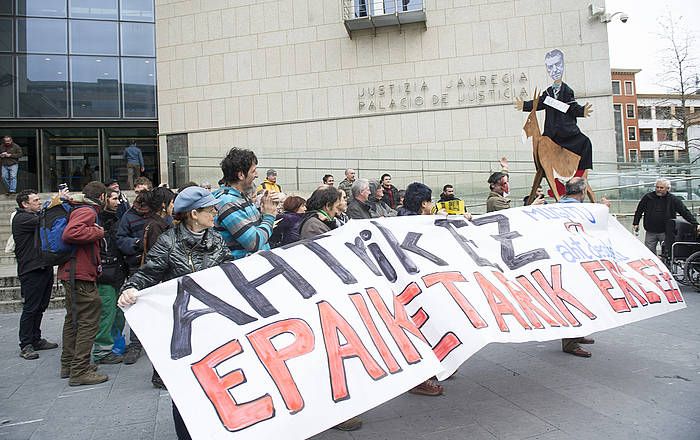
[{"x": 500, "y": 87}]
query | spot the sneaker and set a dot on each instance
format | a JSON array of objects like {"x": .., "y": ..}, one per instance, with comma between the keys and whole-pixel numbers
[
  {"x": 28, "y": 353},
  {"x": 110, "y": 359},
  {"x": 65, "y": 372},
  {"x": 89, "y": 378},
  {"x": 428, "y": 388},
  {"x": 43, "y": 344},
  {"x": 352, "y": 424},
  {"x": 133, "y": 353}
]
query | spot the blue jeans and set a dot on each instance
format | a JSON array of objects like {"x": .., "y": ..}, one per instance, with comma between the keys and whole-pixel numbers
[{"x": 9, "y": 175}]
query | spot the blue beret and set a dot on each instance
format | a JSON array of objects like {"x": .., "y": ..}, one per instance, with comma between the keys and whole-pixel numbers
[{"x": 193, "y": 197}]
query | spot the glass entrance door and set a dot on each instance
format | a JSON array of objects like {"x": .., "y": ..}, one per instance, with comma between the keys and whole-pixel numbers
[
  {"x": 117, "y": 139},
  {"x": 27, "y": 177},
  {"x": 71, "y": 156}
]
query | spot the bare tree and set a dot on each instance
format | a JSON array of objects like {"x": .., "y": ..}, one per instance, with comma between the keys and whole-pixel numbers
[{"x": 679, "y": 75}]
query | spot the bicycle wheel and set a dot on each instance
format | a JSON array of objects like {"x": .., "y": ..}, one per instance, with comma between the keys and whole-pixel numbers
[{"x": 692, "y": 270}]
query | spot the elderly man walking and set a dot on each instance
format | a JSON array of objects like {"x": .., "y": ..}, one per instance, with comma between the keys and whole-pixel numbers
[{"x": 658, "y": 207}]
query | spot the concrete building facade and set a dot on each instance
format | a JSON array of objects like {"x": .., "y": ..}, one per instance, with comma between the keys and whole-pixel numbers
[
  {"x": 310, "y": 91},
  {"x": 660, "y": 133}
]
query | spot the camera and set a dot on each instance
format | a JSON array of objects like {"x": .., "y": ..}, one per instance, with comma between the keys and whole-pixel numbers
[
  {"x": 624, "y": 18},
  {"x": 62, "y": 186}
]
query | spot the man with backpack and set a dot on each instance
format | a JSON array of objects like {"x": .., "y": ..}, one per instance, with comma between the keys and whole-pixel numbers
[
  {"x": 78, "y": 276},
  {"x": 35, "y": 277}
]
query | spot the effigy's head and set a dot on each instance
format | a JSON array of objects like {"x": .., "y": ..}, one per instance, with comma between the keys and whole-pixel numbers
[{"x": 554, "y": 61}]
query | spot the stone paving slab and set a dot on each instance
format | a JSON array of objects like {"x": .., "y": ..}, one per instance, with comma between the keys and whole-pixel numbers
[{"x": 642, "y": 383}]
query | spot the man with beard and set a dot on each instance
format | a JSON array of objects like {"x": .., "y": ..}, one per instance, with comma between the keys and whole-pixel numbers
[
  {"x": 109, "y": 282},
  {"x": 448, "y": 193},
  {"x": 245, "y": 229}
]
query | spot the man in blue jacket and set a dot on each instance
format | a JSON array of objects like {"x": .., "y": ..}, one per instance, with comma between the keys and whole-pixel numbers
[{"x": 134, "y": 163}]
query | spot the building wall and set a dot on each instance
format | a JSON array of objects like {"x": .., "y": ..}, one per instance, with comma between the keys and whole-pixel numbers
[
  {"x": 286, "y": 80},
  {"x": 656, "y": 123},
  {"x": 626, "y": 99}
]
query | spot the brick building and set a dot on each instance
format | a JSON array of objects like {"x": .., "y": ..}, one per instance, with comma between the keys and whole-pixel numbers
[{"x": 624, "y": 90}]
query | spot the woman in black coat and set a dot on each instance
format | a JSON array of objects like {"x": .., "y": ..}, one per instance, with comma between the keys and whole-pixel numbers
[{"x": 191, "y": 246}]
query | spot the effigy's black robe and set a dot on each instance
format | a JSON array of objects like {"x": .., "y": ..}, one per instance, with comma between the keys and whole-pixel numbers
[{"x": 561, "y": 127}]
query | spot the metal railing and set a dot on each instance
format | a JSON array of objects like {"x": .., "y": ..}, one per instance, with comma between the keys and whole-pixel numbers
[{"x": 355, "y": 9}]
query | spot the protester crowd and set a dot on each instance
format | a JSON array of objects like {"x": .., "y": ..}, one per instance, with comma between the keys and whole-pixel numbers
[{"x": 109, "y": 248}]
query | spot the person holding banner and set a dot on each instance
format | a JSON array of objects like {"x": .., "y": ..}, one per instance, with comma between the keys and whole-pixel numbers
[
  {"x": 191, "y": 246},
  {"x": 322, "y": 207},
  {"x": 575, "y": 193},
  {"x": 419, "y": 201}
]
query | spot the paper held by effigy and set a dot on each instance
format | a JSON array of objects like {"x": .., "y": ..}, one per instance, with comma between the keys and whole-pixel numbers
[{"x": 558, "y": 105}]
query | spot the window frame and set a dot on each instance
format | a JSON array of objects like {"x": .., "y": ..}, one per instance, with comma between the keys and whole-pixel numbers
[
  {"x": 631, "y": 84},
  {"x": 627, "y": 111},
  {"x": 619, "y": 87},
  {"x": 632, "y": 130}
]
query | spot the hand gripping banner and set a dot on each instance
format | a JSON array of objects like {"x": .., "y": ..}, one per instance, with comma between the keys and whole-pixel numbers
[{"x": 299, "y": 339}]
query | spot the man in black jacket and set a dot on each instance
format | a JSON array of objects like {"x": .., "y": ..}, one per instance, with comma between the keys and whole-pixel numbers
[
  {"x": 658, "y": 207},
  {"x": 130, "y": 243},
  {"x": 109, "y": 282},
  {"x": 36, "y": 279},
  {"x": 358, "y": 207}
]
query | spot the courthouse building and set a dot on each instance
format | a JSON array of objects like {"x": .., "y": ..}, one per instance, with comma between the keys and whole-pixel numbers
[
  {"x": 423, "y": 90},
  {"x": 77, "y": 82}
]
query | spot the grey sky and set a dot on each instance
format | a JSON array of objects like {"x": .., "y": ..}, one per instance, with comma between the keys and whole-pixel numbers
[{"x": 635, "y": 43}]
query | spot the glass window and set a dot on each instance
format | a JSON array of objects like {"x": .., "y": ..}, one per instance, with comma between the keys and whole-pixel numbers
[
  {"x": 70, "y": 155},
  {"x": 619, "y": 132},
  {"x": 42, "y": 8},
  {"x": 138, "y": 39},
  {"x": 43, "y": 86},
  {"x": 632, "y": 133},
  {"x": 97, "y": 9},
  {"x": 6, "y": 7},
  {"x": 630, "y": 111},
  {"x": 644, "y": 112},
  {"x": 402, "y": 5},
  {"x": 663, "y": 112},
  {"x": 7, "y": 82},
  {"x": 117, "y": 139},
  {"x": 42, "y": 35},
  {"x": 647, "y": 155},
  {"x": 646, "y": 134},
  {"x": 137, "y": 10},
  {"x": 629, "y": 90},
  {"x": 95, "y": 86},
  {"x": 633, "y": 155},
  {"x": 6, "y": 35},
  {"x": 666, "y": 156},
  {"x": 679, "y": 134},
  {"x": 664, "y": 134},
  {"x": 139, "y": 82},
  {"x": 616, "y": 87},
  {"x": 94, "y": 37}
]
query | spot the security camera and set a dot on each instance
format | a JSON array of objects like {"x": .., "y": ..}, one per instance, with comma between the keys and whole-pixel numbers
[{"x": 607, "y": 18}]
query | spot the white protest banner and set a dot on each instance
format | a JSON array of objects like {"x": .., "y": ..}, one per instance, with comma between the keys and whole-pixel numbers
[{"x": 298, "y": 339}]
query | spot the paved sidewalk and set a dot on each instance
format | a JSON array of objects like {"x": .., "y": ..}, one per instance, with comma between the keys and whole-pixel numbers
[{"x": 643, "y": 382}]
